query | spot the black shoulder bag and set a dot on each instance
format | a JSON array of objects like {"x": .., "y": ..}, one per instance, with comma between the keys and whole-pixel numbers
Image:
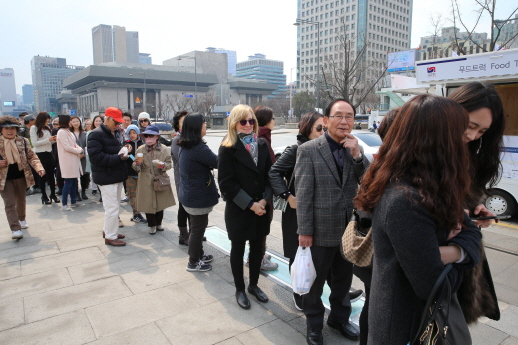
[{"x": 442, "y": 322}]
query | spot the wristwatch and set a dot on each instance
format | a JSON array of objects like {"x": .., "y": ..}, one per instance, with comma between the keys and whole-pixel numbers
[{"x": 359, "y": 158}]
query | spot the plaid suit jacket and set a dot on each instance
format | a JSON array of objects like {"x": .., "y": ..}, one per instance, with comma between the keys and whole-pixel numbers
[{"x": 324, "y": 203}]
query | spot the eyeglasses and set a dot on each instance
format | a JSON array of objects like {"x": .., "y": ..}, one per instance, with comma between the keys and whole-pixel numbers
[
  {"x": 145, "y": 120},
  {"x": 148, "y": 135},
  {"x": 243, "y": 122},
  {"x": 319, "y": 128},
  {"x": 339, "y": 118}
]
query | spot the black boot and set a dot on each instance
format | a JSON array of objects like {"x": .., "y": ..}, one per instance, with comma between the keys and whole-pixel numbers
[
  {"x": 83, "y": 195},
  {"x": 184, "y": 236},
  {"x": 78, "y": 196}
]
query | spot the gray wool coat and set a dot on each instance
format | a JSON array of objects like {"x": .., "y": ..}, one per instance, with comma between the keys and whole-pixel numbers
[{"x": 324, "y": 203}]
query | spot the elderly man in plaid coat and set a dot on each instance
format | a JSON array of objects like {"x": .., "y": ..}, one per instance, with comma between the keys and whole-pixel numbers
[{"x": 327, "y": 174}]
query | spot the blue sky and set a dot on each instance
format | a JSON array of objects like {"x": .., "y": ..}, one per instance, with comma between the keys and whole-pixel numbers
[{"x": 62, "y": 28}]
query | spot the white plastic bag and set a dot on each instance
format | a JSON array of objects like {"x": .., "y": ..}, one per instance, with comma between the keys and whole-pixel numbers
[{"x": 303, "y": 272}]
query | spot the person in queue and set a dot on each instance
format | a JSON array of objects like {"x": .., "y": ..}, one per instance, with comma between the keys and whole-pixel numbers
[
  {"x": 266, "y": 123},
  {"x": 416, "y": 198},
  {"x": 132, "y": 181},
  {"x": 70, "y": 155},
  {"x": 331, "y": 165},
  {"x": 243, "y": 166},
  {"x": 182, "y": 215},
  {"x": 16, "y": 160},
  {"x": 42, "y": 140},
  {"x": 76, "y": 128},
  {"x": 311, "y": 126},
  {"x": 198, "y": 192},
  {"x": 144, "y": 120},
  {"x": 109, "y": 170},
  {"x": 151, "y": 202},
  {"x": 96, "y": 122}
]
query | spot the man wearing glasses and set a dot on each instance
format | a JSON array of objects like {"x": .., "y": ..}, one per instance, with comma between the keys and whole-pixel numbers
[
  {"x": 109, "y": 170},
  {"x": 327, "y": 173}
]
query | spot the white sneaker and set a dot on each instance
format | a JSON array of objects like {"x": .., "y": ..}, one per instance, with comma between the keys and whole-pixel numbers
[
  {"x": 17, "y": 235},
  {"x": 24, "y": 225},
  {"x": 152, "y": 230},
  {"x": 66, "y": 208}
]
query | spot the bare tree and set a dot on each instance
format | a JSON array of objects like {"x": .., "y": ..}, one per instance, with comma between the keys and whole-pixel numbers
[
  {"x": 280, "y": 104},
  {"x": 174, "y": 103},
  {"x": 350, "y": 72},
  {"x": 206, "y": 103},
  {"x": 483, "y": 8},
  {"x": 303, "y": 102}
]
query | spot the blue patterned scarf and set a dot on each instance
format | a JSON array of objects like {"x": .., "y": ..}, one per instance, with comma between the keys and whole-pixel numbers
[{"x": 250, "y": 143}]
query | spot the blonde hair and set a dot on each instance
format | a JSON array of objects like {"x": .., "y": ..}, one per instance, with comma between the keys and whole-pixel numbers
[{"x": 238, "y": 113}]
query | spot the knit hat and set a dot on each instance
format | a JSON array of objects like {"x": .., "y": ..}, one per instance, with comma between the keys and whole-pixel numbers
[
  {"x": 130, "y": 127},
  {"x": 144, "y": 115},
  {"x": 114, "y": 113}
]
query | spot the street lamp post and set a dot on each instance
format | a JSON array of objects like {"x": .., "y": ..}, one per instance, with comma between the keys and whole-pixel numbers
[
  {"x": 195, "y": 77},
  {"x": 306, "y": 21}
]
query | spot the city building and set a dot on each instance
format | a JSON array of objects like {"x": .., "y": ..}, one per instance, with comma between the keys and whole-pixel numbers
[
  {"x": 27, "y": 94},
  {"x": 114, "y": 43},
  {"x": 160, "y": 90},
  {"x": 258, "y": 67},
  {"x": 48, "y": 74},
  {"x": 231, "y": 57},
  {"x": 508, "y": 37},
  {"x": 145, "y": 59},
  {"x": 345, "y": 30},
  {"x": 7, "y": 91}
]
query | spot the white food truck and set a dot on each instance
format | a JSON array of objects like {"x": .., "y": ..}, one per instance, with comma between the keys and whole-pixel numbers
[{"x": 443, "y": 76}]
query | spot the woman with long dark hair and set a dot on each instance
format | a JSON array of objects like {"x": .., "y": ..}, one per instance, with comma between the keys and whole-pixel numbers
[
  {"x": 96, "y": 122},
  {"x": 77, "y": 128},
  {"x": 416, "y": 197},
  {"x": 484, "y": 138},
  {"x": 311, "y": 126},
  {"x": 42, "y": 140},
  {"x": 243, "y": 166},
  {"x": 197, "y": 193}
]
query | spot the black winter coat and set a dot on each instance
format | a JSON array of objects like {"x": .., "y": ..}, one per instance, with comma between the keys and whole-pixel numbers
[
  {"x": 197, "y": 186},
  {"x": 240, "y": 182},
  {"x": 129, "y": 162},
  {"x": 103, "y": 149}
]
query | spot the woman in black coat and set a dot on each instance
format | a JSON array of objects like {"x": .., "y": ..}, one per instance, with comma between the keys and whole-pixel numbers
[
  {"x": 416, "y": 198},
  {"x": 243, "y": 166},
  {"x": 197, "y": 190},
  {"x": 283, "y": 185}
]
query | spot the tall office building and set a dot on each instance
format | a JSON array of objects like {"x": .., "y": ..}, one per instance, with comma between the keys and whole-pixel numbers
[
  {"x": 145, "y": 59},
  {"x": 258, "y": 67},
  {"x": 232, "y": 58},
  {"x": 340, "y": 28},
  {"x": 114, "y": 43},
  {"x": 27, "y": 94},
  {"x": 48, "y": 74},
  {"x": 7, "y": 91}
]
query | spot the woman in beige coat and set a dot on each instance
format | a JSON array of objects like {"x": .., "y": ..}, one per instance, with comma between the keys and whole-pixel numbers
[
  {"x": 70, "y": 155},
  {"x": 148, "y": 201}
]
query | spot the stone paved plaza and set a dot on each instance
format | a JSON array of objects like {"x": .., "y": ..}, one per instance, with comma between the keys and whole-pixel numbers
[{"x": 61, "y": 284}]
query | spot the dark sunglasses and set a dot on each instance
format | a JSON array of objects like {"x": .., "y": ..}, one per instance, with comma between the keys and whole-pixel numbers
[
  {"x": 319, "y": 128},
  {"x": 148, "y": 135},
  {"x": 144, "y": 120},
  {"x": 251, "y": 122}
]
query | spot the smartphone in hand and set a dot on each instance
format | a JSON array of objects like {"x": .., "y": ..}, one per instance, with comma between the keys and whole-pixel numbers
[{"x": 491, "y": 217}]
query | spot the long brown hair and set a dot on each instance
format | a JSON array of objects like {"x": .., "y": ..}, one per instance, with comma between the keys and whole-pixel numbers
[
  {"x": 72, "y": 129},
  {"x": 41, "y": 123},
  {"x": 424, "y": 147}
]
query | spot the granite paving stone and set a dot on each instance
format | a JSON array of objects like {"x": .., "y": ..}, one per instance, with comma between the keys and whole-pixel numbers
[
  {"x": 276, "y": 332},
  {"x": 11, "y": 312},
  {"x": 67, "y": 329},
  {"x": 10, "y": 270},
  {"x": 482, "y": 334},
  {"x": 510, "y": 341},
  {"x": 221, "y": 320},
  {"x": 146, "y": 334},
  {"x": 74, "y": 297},
  {"x": 108, "y": 267},
  {"x": 508, "y": 321},
  {"x": 207, "y": 287},
  {"x": 137, "y": 310},
  {"x": 35, "y": 283},
  {"x": 28, "y": 252}
]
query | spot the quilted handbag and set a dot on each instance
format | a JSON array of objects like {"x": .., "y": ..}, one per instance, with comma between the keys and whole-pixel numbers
[{"x": 357, "y": 246}]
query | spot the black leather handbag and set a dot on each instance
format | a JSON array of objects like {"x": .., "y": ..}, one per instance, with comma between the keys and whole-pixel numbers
[{"x": 442, "y": 322}]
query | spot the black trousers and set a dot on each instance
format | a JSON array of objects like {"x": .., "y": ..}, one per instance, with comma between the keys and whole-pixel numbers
[
  {"x": 338, "y": 272},
  {"x": 182, "y": 216},
  {"x": 237, "y": 253},
  {"x": 85, "y": 181},
  {"x": 154, "y": 219},
  {"x": 47, "y": 161},
  {"x": 198, "y": 225}
]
